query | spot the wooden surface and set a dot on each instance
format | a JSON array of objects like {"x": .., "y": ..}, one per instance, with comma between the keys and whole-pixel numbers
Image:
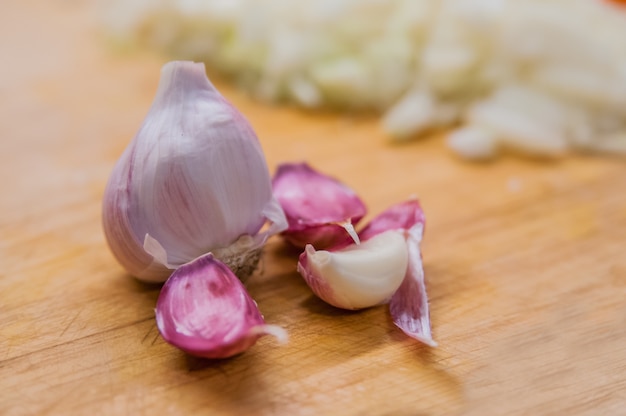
[{"x": 525, "y": 263}]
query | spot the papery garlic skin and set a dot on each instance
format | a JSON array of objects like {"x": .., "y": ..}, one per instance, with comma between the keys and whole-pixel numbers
[
  {"x": 204, "y": 310},
  {"x": 402, "y": 216},
  {"x": 193, "y": 180},
  {"x": 409, "y": 304},
  {"x": 320, "y": 210},
  {"x": 357, "y": 276}
]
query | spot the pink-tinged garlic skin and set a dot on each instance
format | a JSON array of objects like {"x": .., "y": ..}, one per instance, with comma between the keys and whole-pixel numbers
[
  {"x": 357, "y": 276},
  {"x": 316, "y": 206},
  {"x": 316, "y": 283},
  {"x": 409, "y": 305},
  {"x": 204, "y": 310},
  {"x": 402, "y": 216},
  {"x": 193, "y": 180}
]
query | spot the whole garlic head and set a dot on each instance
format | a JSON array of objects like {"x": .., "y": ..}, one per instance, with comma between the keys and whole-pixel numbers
[{"x": 194, "y": 180}]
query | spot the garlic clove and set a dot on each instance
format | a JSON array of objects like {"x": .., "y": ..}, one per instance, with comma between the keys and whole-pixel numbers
[
  {"x": 194, "y": 180},
  {"x": 409, "y": 304},
  {"x": 204, "y": 310},
  {"x": 357, "y": 276},
  {"x": 320, "y": 210}
]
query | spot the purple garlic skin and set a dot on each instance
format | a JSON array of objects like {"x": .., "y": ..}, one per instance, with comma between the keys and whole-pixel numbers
[
  {"x": 320, "y": 210},
  {"x": 403, "y": 216},
  {"x": 409, "y": 305},
  {"x": 204, "y": 310}
]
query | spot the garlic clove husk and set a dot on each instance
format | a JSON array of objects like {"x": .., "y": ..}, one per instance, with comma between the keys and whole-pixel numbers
[
  {"x": 357, "y": 276},
  {"x": 320, "y": 210},
  {"x": 403, "y": 216},
  {"x": 193, "y": 180},
  {"x": 409, "y": 304},
  {"x": 204, "y": 310}
]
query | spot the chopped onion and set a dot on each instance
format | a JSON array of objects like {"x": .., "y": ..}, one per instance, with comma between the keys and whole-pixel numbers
[{"x": 424, "y": 63}]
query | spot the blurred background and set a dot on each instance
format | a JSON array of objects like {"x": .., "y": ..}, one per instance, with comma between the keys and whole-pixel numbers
[{"x": 539, "y": 77}]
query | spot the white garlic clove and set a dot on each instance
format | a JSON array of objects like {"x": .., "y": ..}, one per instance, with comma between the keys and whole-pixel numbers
[
  {"x": 320, "y": 210},
  {"x": 193, "y": 180},
  {"x": 204, "y": 310},
  {"x": 357, "y": 276},
  {"x": 409, "y": 304}
]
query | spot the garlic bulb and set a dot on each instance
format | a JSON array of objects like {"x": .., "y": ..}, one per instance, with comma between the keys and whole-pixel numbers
[
  {"x": 320, "y": 210},
  {"x": 194, "y": 180},
  {"x": 204, "y": 310},
  {"x": 357, "y": 276}
]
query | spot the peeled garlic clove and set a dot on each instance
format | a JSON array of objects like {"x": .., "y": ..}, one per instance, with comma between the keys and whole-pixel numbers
[
  {"x": 357, "y": 276},
  {"x": 204, "y": 310},
  {"x": 409, "y": 304},
  {"x": 320, "y": 210},
  {"x": 193, "y": 180}
]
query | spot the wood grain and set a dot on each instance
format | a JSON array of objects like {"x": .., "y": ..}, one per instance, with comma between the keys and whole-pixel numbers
[{"x": 524, "y": 261}]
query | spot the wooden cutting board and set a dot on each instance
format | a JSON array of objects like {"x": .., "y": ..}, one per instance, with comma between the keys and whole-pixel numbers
[{"x": 524, "y": 261}]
